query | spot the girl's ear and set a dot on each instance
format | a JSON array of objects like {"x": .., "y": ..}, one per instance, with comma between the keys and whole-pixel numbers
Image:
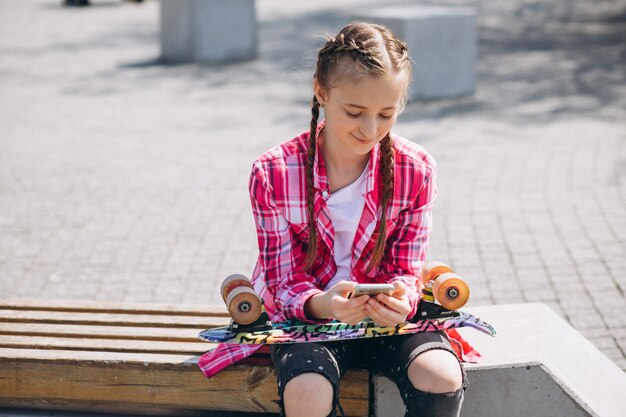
[{"x": 319, "y": 92}]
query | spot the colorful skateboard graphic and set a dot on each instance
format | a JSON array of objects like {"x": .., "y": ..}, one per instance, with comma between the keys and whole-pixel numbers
[{"x": 444, "y": 292}]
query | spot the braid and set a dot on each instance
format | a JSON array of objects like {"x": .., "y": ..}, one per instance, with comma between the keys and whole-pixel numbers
[
  {"x": 312, "y": 248},
  {"x": 359, "y": 51},
  {"x": 387, "y": 177}
]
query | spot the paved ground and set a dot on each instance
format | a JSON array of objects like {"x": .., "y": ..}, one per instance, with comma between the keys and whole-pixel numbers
[{"x": 125, "y": 179}]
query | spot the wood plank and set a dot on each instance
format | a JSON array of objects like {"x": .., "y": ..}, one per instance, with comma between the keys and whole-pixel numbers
[
  {"x": 97, "y": 358},
  {"x": 100, "y": 332},
  {"x": 94, "y": 357},
  {"x": 103, "y": 345},
  {"x": 110, "y": 409},
  {"x": 136, "y": 383},
  {"x": 111, "y": 319},
  {"x": 112, "y": 307},
  {"x": 238, "y": 388}
]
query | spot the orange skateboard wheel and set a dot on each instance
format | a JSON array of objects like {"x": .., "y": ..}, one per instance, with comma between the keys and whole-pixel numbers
[
  {"x": 451, "y": 291},
  {"x": 433, "y": 269},
  {"x": 244, "y": 305},
  {"x": 233, "y": 281}
]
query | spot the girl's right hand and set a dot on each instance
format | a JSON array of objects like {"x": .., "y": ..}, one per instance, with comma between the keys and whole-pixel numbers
[{"x": 342, "y": 308}]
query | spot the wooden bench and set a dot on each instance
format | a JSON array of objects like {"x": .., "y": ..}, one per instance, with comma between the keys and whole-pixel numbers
[{"x": 132, "y": 358}]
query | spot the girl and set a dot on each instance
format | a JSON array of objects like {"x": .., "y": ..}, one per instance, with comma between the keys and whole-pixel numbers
[{"x": 349, "y": 202}]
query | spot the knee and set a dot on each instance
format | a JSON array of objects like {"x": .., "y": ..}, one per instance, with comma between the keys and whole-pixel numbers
[
  {"x": 436, "y": 371},
  {"x": 308, "y": 394}
]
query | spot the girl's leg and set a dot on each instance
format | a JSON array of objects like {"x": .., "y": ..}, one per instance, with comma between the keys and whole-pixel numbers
[
  {"x": 436, "y": 371},
  {"x": 437, "y": 384},
  {"x": 308, "y": 377},
  {"x": 426, "y": 371},
  {"x": 308, "y": 395}
]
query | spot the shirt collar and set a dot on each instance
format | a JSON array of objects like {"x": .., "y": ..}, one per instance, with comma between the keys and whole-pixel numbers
[{"x": 320, "y": 178}]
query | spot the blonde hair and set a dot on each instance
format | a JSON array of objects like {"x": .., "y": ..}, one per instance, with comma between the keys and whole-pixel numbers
[{"x": 358, "y": 49}]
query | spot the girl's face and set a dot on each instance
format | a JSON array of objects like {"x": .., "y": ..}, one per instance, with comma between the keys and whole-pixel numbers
[{"x": 360, "y": 114}]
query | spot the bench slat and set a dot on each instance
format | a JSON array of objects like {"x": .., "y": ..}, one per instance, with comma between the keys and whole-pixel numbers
[
  {"x": 141, "y": 382},
  {"x": 102, "y": 345},
  {"x": 76, "y": 356},
  {"x": 111, "y": 307},
  {"x": 163, "y": 360},
  {"x": 110, "y": 319},
  {"x": 100, "y": 332}
]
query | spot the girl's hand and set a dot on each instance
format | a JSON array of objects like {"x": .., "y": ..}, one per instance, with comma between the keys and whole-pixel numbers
[
  {"x": 391, "y": 310},
  {"x": 349, "y": 311}
]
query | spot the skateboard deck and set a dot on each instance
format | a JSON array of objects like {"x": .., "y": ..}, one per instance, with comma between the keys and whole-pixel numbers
[
  {"x": 298, "y": 332},
  {"x": 251, "y": 325}
]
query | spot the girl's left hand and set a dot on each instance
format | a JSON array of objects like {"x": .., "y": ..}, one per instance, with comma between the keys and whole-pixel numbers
[{"x": 389, "y": 310}]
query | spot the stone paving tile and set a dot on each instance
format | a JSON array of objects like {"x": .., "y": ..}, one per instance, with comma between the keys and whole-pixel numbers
[{"x": 123, "y": 179}]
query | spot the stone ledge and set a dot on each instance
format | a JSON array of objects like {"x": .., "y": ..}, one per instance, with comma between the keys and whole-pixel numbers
[
  {"x": 538, "y": 365},
  {"x": 442, "y": 42},
  {"x": 208, "y": 31}
]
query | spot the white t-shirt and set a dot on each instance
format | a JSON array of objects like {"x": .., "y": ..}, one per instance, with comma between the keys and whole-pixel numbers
[{"x": 345, "y": 207}]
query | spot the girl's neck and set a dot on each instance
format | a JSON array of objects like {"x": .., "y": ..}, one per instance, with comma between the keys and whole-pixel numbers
[{"x": 342, "y": 167}]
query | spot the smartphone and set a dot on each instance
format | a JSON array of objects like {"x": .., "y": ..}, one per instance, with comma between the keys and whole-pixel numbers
[{"x": 372, "y": 289}]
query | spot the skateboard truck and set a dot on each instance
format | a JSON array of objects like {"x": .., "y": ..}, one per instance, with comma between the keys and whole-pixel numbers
[
  {"x": 260, "y": 324},
  {"x": 246, "y": 308},
  {"x": 428, "y": 309}
]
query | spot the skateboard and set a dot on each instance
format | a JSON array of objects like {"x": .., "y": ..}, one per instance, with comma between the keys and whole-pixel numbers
[{"x": 444, "y": 292}]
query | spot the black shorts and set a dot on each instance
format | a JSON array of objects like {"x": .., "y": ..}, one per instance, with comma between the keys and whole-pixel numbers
[{"x": 389, "y": 356}]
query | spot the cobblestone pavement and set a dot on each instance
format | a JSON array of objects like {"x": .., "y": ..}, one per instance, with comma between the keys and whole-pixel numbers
[{"x": 125, "y": 179}]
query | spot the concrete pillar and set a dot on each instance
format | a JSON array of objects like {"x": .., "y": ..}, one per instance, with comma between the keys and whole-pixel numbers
[
  {"x": 208, "y": 31},
  {"x": 442, "y": 44}
]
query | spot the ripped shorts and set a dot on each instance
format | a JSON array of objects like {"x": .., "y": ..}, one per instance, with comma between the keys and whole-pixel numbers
[{"x": 389, "y": 356}]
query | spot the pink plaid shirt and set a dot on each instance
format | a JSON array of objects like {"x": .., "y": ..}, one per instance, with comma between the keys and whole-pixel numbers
[{"x": 278, "y": 195}]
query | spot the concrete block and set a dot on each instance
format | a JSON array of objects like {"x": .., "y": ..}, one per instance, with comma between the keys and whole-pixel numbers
[
  {"x": 442, "y": 44},
  {"x": 208, "y": 31},
  {"x": 537, "y": 366}
]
